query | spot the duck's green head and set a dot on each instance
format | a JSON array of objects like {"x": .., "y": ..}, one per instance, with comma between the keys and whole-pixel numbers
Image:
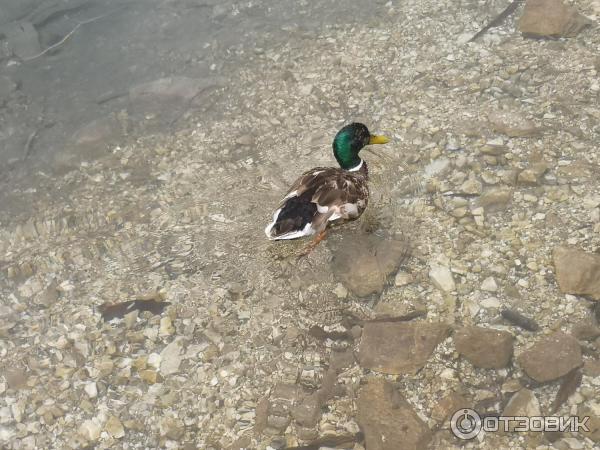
[{"x": 350, "y": 140}]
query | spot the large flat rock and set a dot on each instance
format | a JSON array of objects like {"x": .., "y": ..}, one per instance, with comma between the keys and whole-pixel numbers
[
  {"x": 364, "y": 262},
  {"x": 388, "y": 421},
  {"x": 552, "y": 357},
  {"x": 485, "y": 347},
  {"x": 399, "y": 347},
  {"x": 577, "y": 272},
  {"x": 551, "y": 18}
]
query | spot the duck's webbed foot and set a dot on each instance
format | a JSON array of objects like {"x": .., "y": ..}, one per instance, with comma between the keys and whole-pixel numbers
[{"x": 313, "y": 244}]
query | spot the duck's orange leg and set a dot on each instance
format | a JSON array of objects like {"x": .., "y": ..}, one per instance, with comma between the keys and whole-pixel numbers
[{"x": 313, "y": 244}]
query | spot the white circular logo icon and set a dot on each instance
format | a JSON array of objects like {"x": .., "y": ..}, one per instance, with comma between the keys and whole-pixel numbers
[{"x": 465, "y": 424}]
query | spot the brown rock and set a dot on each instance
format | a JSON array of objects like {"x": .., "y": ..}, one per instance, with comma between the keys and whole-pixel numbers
[
  {"x": 340, "y": 360},
  {"x": 308, "y": 412},
  {"x": 591, "y": 368},
  {"x": 593, "y": 423},
  {"x": 551, "y": 18},
  {"x": 577, "y": 272},
  {"x": 532, "y": 175},
  {"x": 513, "y": 124},
  {"x": 364, "y": 262},
  {"x": 387, "y": 419},
  {"x": 586, "y": 331},
  {"x": 399, "y": 347},
  {"x": 261, "y": 414},
  {"x": 16, "y": 378},
  {"x": 448, "y": 406},
  {"x": 495, "y": 200},
  {"x": 485, "y": 347},
  {"x": 48, "y": 296},
  {"x": 552, "y": 357},
  {"x": 524, "y": 403},
  {"x": 172, "y": 428}
]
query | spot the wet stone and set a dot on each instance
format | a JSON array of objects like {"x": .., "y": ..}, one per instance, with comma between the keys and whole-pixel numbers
[
  {"x": 90, "y": 429},
  {"x": 532, "y": 175},
  {"x": 472, "y": 186},
  {"x": 399, "y": 347},
  {"x": 586, "y": 331},
  {"x": 387, "y": 419},
  {"x": 441, "y": 278},
  {"x": 485, "y": 347},
  {"x": 364, "y": 262},
  {"x": 551, "y": 18},
  {"x": 114, "y": 427},
  {"x": 16, "y": 378},
  {"x": 523, "y": 403},
  {"x": 552, "y": 357},
  {"x": 172, "y": 428},
  {"x": 513, "y": 124},
  {"x": 171, "y": 358},
  {"x": 447, "y": 406},
  {"x": 7, "y": 87},
  {"x": 577, "y": 272},
  {"x": 308, "y": 412}
]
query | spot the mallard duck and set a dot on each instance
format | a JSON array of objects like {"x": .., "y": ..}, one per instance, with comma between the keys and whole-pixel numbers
[{"x": 326, "y": 195}]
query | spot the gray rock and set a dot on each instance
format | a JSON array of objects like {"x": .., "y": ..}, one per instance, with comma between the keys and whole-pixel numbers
[
  {"x": 485, "y": 347},
  {"x": 387, "y": 419},
  {"x": 7, "y": 87},
  {"x": 23, "y": 40},
  {"x": 577, "y": 272},
  {"x": 551, "y": 358},
  {"x": 399, "y": 347},
  {"x": 160, "y": 102}
]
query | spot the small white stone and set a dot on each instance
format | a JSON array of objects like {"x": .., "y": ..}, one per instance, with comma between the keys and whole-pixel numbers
[
  {"x": 491, "y": 302},
  {"x": 171, "y": 358},
  {"x": 496, "y": 142},
  {"x": 166, "y": 327},
  {"x": 448, "y": 374},
  {"x": 90, "y": 429},
  {"x": 441, "y": 277},
  {"x": 340, "y": 291},
  {"x": 305, "y": 89},
  {"x": 91, "y": 389},
  {"x": 489, "y": 284},
  {"x": 403, "y": 278},
  {"x": 154, "y": 360}
]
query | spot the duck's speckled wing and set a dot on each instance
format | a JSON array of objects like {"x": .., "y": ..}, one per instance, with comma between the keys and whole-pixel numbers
[{"x": 319, "y": 196}]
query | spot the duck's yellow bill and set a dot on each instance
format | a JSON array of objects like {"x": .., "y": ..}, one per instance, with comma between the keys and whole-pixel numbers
[{"x": 378, "y": 139}]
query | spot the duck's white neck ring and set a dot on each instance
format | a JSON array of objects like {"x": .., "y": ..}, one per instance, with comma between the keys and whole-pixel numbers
[{"x": 356, "y": 168}]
